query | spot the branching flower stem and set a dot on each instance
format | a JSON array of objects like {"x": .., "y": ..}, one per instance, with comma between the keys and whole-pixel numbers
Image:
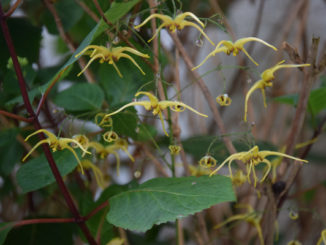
[{"x": 37, "y": 126}]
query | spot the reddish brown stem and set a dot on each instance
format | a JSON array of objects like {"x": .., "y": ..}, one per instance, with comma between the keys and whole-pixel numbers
[
  {"x": 78, "y": 219},
  {"x": 14, "y": 116}
]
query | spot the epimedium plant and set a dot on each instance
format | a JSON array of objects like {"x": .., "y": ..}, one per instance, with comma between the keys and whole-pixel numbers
[{"x": 68, "y": 181}]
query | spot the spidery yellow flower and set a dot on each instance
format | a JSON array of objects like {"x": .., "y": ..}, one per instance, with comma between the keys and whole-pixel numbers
[
  {"x": 104, "y": 151},
  {"x": 56, "y": 143},
  {"x": 234, "y": 48},
  {"x": 251, "y": 217},
  {"x": 97, "y": 172},
  {"x": 110, "y": 136},
  {"x": 178, "y": 22},
  {"x": 157, "y": 106},
  {"x": 207, "y": 162},
  {"x": 322, "y": 238},
  {"x": 266, "y": 81},
  {"x": 251, "y": 159},
  {"x": 102, "y": 121},
  {"x": 110, "y": 55},
  {"x": 81, "y": 139},
  {"x": 223, "y": 100}
]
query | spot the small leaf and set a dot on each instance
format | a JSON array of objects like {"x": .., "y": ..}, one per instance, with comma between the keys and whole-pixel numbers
[
  {"x": 317, "y": 100},
  {"x": 36, "y": 173},
  {"x": 80, "y": 97},
  {"x": 291, "y": 99},
  {"x": 4, "y": 230},
  {"x": 167, "y": 199}
]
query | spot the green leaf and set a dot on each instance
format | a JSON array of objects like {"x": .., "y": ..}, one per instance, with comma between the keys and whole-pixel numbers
[
  {"x": 80, "y": 97},
  {"x": 291, "y": 99},
  {"x": 31, "y": 95},
  {"x": 317, "y": 100},
  {"x": 125, "y": 123},
  {"x": 146, "y": 132},
  {"x": 40, "y": 234},
  {"x": 10, "y": 151},
  {"x": 167, "y": 199},
  {"x": 4, "y": 230},
  {"x": 119, "y": 90},
  {"x": 36, "y": 173}
]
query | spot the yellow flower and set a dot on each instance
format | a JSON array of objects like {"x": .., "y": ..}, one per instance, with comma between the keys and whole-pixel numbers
[
  {"x": 223, "y": 100},
  {"x": 102, "y": 121},
  {"x": 97, "y": 172},
  {"x": 157, "y": 106},
  {"x": 110, "y": 55},
  {"x": 178, "y": 22},
  {"x": 110, "y": 136},
  {"x": 239, "y": 178},
  {"x": 322, "y": 237},
  {"x": 174, "y": 149},
  {"x": 234, "y": 48},
  {"x": 251, "y": 217},
  {"x": 198, "y": 171},
  {"x": 293, "y": 215},
  {"x": 57, "y": 143},
  {"x": 104, "y": 151},
  {"x": 266, "y": 81},
  {"x": 207, "y": 162},
  {"x": 81, "y": 139},
  {"x": 251, "y": 159}
]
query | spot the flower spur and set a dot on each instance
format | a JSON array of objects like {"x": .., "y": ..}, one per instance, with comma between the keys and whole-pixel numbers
[
  {"x": 251, "y": 159},
  {"x": 157, "y": 106},
  {"x": 178, "y": 22},
  {"x": 234, "y": 48},
  {"x": 266, "y": 81},
  {"x": 56, "y": 143},
  {"x": 110, "y": 55}
]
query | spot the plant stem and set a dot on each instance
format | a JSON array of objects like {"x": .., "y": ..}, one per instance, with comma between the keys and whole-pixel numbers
[{"x": 38, "y": 126}]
